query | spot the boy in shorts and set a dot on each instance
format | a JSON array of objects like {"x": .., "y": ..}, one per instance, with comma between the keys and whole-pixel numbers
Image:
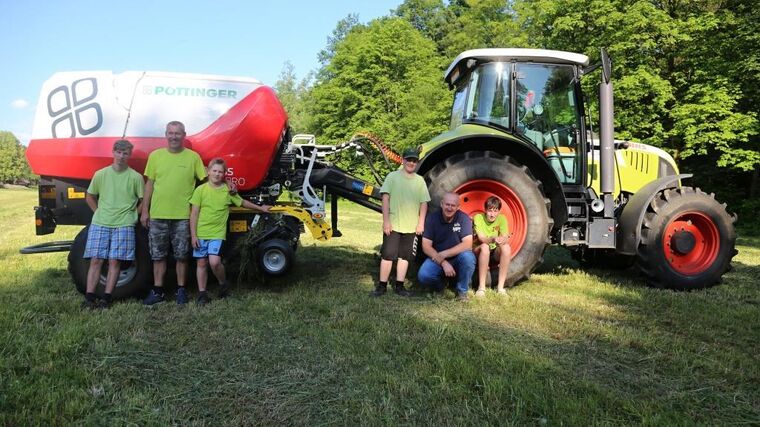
[
  {"x": 208, "y": 226},
  {"x": 405, "y": 198},
  {"x": 114, "y": 196},
  {"x": 492, "y": 231}
]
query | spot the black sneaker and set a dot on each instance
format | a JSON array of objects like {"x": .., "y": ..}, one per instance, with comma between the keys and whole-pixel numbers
[
  {"x": 224, "y": 291},
  {"x": 203, "y": 299},
  {"x": 401, "y": 291},
  {"x": 153, "y": 298},
  {"x": 104, "y": 305},
  {"x": 379, "y": 291},
  {"x": 462, "y": 296},
  {"x": 88, "y": 305},
  {"x": 181, "y": 296}
]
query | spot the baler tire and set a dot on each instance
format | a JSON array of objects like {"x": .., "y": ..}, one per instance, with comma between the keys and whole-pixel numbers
[
  {"x": 133, "y": 281},
  {"x": 512, "y": 180},
  {"x": 700, "y": 218},
  {"x": 274, "y": 257}
]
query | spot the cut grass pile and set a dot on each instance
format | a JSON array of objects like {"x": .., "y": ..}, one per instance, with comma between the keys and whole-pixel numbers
[{"x": 566, "y": 347}]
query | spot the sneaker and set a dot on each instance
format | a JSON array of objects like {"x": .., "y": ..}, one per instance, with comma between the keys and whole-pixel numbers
[
  {"x": 203, "y": 299},
  {"x": 501, "y": 291},
  {"x": 88, "y": 305},
  {"x": 462, "y": 296},
  {"x": 480, "y": 293},
  {"x": 104, "y": 305},
  {"x": 401, "y": 291},
  {"x": 181, "y": 296},
  {"x": 224, "y": 291},
  {"x": 153, "y": 298},
  {"x": 379, "y": 291}
]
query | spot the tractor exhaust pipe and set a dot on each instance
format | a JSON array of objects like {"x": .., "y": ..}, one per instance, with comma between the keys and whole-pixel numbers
[{"x": 607, "y": 130}]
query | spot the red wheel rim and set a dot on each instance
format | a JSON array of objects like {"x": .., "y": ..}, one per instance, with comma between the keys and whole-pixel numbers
[
  {"x": 706, "y": 243},
  {"x": 473, "y": 195}
]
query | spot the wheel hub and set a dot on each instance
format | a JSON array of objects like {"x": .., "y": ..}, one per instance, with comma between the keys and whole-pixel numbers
[
  {"x": 683, "y": 242},
  {"x": 692, "y": 242}
]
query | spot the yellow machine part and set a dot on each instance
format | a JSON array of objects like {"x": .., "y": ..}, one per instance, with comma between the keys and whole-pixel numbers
[{"x": 319, "y": 229}]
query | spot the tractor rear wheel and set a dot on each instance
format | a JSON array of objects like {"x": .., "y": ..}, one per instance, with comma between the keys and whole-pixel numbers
[
  {"x": 134, "y": 277},
  {"x": 477, "y": 175},
  {"x": 687, "y": 240}
]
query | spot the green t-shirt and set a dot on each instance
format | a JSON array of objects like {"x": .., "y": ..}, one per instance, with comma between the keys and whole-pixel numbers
[
  {"x": 406, "y": 194},
  {"x": 118, "y": 194},
  {"x": 498, "y": 227},
  {"x": 215, "y": 209},
  {"x": 173, "y": 176}
]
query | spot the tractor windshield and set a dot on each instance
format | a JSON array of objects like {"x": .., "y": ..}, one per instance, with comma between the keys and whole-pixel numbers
[{"x": 539, "y": 105}]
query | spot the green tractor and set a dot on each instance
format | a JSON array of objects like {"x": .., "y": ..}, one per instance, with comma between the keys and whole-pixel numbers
[{"x": 520, "y": 131}]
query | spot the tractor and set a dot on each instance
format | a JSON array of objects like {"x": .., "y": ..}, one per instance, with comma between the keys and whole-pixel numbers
[{"x": 520, "y": 130}]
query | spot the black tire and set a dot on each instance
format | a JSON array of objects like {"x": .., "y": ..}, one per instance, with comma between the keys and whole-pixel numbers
[
  {"x": 134, "y": 278},
  {"x": 458, "y": 170},
  {"x": 705, "y": 249},
  {"x": 274, "y": 257}
]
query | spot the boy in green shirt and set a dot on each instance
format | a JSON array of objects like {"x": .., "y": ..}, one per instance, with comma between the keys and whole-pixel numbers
[
  {"x": 114, "y": 195},
  {"x": 405, "y": 198},
  {"x": 492, "y": 231},
  {"x": 208, "y": 225}
]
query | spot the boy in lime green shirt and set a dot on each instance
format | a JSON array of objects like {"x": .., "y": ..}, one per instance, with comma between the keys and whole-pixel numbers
[
  {"x": 208, "y": 226},
  {"x": 114, "y": 196},
  {"x": 405, "y": 196},
  {"x": 492, "y": 231}
]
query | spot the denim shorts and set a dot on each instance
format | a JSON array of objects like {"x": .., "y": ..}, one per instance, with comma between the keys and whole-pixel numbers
[
  {"x": 110, "y": 242},
  {"x": 208, "y": 247}
]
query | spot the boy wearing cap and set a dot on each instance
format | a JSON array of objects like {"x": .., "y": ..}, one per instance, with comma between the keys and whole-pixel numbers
[{"x": 405, "y": 198}]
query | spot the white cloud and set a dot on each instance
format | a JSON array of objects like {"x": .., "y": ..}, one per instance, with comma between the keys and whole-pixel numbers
[{"x": 20, "y": 104}]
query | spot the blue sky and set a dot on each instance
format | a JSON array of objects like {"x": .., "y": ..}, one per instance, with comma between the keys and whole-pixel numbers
[{"x": 228, "y": 37}]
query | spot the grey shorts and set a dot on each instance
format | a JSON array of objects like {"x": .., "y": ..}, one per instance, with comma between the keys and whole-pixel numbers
[{"x": 169, "y": 232}]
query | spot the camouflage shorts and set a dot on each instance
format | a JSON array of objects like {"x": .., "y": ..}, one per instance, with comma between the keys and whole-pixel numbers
[{"x": 169, "y": 232}]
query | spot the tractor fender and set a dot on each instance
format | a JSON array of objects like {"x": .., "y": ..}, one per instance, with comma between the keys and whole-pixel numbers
[
  {"x": 632, "y": 217},
  {"x": 525, "y": 154}
]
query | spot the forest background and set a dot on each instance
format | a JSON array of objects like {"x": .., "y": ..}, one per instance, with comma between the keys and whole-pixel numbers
[{"x": 686, "y": 76}]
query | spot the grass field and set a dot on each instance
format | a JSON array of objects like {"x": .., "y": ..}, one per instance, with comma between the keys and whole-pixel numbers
[{"x": 567, "y": 347}]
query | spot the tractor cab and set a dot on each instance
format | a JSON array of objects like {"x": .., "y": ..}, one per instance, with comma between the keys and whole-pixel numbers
[{"x": 531, "y": 94}]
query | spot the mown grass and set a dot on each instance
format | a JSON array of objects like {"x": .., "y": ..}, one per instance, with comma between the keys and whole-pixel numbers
[{"x": 568, "y": 347}]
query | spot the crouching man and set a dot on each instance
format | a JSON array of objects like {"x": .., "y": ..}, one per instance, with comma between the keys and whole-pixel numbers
[{"x": 447, "y": 241}]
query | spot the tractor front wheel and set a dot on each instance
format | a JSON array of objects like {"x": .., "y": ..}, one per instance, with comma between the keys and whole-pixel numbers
[
  {"x": 687, "y": 240},
  {"x": 477, "y": 175}
]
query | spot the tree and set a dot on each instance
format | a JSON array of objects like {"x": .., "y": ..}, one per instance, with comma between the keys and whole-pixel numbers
[
  {"x": 13, "y": 164},
  {"x": 292, "y": 94},
  {"x": 384, "y": 78}
]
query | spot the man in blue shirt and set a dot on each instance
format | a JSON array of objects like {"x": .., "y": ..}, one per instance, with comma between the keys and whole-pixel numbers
[{"x": 447, "y": 241}]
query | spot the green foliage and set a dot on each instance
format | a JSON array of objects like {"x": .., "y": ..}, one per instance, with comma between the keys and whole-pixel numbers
[
  {"x": 293, "y": 94},
  {"x": 13, "y": 164},
  {"x": 384, "y": 78}
]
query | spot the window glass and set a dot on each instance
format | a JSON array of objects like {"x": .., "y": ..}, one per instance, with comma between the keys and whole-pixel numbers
[{"x": 547, "y": 116}]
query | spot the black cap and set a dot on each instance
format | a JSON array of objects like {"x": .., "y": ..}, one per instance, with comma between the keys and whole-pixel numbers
[{"x": 412, "y": 153}]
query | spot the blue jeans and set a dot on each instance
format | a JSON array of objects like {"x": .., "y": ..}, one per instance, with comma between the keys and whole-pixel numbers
[{"x": 431, "y": 274}]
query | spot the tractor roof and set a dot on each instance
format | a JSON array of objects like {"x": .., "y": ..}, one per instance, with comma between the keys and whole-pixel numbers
[{"x": 520, "y": 55}]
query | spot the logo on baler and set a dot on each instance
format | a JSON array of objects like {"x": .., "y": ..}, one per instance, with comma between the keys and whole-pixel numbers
[{"x": 72, "y": 110}]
